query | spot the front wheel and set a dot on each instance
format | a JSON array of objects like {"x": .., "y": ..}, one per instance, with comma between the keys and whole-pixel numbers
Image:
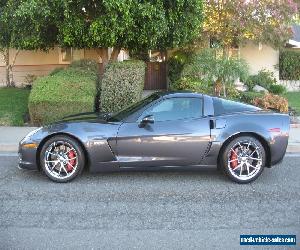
[
  {"x": 243, "y": 159},
  {"x": 62, "y": 158}
]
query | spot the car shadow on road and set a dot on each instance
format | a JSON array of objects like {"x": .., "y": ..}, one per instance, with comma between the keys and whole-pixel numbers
[{"x": 205, "y": 174}]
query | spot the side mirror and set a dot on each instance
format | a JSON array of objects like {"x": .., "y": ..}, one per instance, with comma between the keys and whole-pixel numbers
[{"x": 148, "y": 119}]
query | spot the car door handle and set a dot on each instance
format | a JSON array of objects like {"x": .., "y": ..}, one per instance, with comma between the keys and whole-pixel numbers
[{"x": 217, "y": 124}]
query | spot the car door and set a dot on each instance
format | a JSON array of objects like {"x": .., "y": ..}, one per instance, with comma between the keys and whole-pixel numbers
[{"x": 179, "y": 135}]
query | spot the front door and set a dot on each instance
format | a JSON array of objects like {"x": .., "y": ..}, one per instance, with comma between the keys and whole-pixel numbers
[{"x": 179, "y": 135}]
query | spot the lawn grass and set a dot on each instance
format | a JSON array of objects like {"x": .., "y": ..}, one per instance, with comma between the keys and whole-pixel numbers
[
  {"x": 294, "y": 100},
  {"x": 13, "y": 106}
]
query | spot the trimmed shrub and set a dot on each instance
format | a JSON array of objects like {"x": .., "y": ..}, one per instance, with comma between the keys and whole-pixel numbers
[
  {"x": 270, "y": 101},
  {"x": 85, "y": 65},
  {"x": 55, "y": 71},
  {"x": 122, "y": 84},
  {"x": 67, "y": 92}
]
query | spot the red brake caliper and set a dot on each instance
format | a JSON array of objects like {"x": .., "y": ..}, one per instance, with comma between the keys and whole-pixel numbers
[
  {"x": 233, "y": 159},
  {"x": 72, "y": 162}
]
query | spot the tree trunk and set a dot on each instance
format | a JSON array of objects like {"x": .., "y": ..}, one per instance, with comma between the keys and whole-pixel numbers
[
  {"x": 218, "y": 87},
  {"x": 7, "y": 67},
  {"x": 114, "y": 54},
  {"x": 103, "y": 54},
  {"x": 11, "y": 74},
  {"x": 224, "y": 90},
  {"x": 226, "y": 56},
  {"x": 9, "y": 79}
]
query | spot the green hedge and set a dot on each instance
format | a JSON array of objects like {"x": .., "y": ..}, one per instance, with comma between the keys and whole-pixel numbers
[
  {"x": 289, "y": 65},
  {"x": 122, "y": 84},
  {"x": 63, "y": 93}
]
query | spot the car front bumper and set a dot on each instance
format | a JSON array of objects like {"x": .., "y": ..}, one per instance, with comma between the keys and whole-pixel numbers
[{"x": 27, "y": 157}]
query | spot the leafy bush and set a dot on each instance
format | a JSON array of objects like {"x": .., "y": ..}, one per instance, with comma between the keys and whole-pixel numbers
[
  {"x": 69, "y": 91},
  {"x": 232, "y": 93},
  {"x": 122, "y": 85},
  {"x": 270, "y": 101},
  {"x": 175, "y": 68},
  {"x": 277, "y": 89},
  {"x": 209, "y": 67},
  {"x": 264, "y": 78},
  {"x": 250, "y": 82},
  {"x": 176, "y": 64},
  {"x": 193, "y": 85},
  {"x": 289, "y": 65},
  {"x": 248, "y": 97}
]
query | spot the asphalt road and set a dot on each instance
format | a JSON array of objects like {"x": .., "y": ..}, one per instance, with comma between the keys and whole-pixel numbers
[{"x": 145, "y": 210}]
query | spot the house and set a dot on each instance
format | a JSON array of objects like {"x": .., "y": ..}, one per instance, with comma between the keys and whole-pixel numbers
[
  {"x": 264, "y": 57},
  {"x": 259, "y": 57},
  {"x": 29, "y": 64}
]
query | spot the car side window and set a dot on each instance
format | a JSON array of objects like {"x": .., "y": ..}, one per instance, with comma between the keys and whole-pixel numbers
[{"x": 176, "y": 108}]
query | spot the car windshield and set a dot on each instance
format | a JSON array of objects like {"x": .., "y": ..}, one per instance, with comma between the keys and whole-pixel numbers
[{"x": 119, "y": 116}]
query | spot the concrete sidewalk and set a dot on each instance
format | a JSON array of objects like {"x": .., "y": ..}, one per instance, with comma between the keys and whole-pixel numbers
[{"x": 10, "y": 137}]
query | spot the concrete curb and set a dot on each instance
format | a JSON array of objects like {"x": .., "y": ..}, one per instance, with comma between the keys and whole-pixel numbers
[
  {"x": 295, "y": 125},
  {"x": 9, "y": 148}
]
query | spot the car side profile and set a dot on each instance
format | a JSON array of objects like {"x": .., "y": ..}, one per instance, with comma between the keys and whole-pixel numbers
[{"x": 166, "y": 129}]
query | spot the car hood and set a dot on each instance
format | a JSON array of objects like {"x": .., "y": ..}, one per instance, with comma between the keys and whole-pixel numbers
[{"x": 99, "y": 117}]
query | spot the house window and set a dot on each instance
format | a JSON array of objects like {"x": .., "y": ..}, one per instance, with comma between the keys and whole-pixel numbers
[{"x": 66, "y": 55}]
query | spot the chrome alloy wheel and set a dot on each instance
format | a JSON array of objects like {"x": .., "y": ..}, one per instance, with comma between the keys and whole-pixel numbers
[
  {"x": 60, "y": 159},
  {"x": 244, "y": 160}
]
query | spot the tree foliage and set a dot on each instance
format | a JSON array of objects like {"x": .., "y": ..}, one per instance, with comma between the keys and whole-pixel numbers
[
  {"x": 232, "y": 22},
  {"x": 128, "y": 24}
]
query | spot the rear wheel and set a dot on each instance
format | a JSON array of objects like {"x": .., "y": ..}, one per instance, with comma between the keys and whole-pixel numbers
[
  {"x": 243, "y": 159},
  {"x": 62, "y": 158}
]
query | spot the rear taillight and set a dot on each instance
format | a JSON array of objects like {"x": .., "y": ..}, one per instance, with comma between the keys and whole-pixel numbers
[{"x": 274, "y": 130}]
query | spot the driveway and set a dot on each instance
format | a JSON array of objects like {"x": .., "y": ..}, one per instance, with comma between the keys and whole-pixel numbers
[{"x": 145, "y": 210}]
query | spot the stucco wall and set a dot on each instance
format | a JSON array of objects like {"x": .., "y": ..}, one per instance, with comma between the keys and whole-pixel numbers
[
  {"x": 260, "y": 57},
  {"x": 40, "y": 63},
  {"x": 26, "y": 57}
]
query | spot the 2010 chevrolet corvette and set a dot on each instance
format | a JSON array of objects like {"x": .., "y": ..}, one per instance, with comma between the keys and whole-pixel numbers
[{"x": 170, "y": 129}]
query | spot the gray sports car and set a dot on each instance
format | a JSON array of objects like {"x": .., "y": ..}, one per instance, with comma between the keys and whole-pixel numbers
[{"x": 171, "y": 129}]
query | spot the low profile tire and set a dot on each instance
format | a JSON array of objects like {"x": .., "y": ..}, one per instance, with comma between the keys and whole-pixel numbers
[
  {"x": 62, "y": 158},
  {"x": 243, "y": 159}
]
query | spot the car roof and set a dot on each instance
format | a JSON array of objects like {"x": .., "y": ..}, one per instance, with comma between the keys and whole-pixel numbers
[{"x": 179, "y": 94}]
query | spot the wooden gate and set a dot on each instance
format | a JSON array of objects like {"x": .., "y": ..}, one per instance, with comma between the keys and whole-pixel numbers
[{"x": 156, "y": 76}]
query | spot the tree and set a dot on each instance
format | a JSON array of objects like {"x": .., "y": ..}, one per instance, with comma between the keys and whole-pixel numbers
[
  {"x": 6, "y": 24},
  {"x": 128, "y": 24},
  {"x": 232, "y": 22}
]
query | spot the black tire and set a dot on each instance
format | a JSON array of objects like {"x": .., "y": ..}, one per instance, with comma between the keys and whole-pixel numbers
[
  {"x": 259, "y": 152},
  {"x": 80, "y": 158}
]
